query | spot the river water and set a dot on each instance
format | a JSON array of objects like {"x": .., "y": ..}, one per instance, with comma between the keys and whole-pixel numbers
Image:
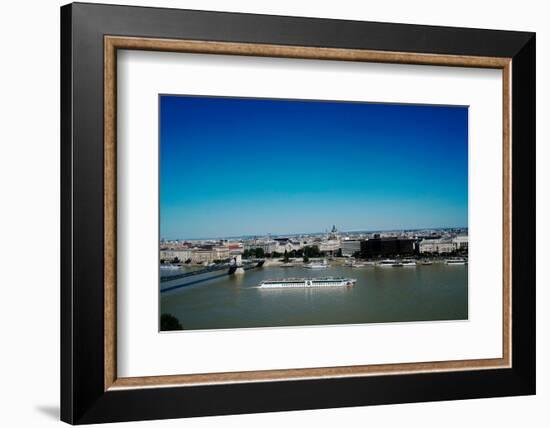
[{"x": 424, "y": 293}]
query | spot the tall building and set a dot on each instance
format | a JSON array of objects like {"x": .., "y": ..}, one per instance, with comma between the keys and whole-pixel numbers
[
  {"x": 268, "y": 246},
  {"x": 333, "y": 234},
  {"x": 329, "y": 246},
  {"x": 350, "y": 247},
  {"x": 461, "y": 242},
  {"x": 386, "y": 247},
  {"x": 169, "y": 255}
]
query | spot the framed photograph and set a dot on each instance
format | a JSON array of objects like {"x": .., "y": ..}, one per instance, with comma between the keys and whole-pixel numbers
[{"x": 266, "y": 213}]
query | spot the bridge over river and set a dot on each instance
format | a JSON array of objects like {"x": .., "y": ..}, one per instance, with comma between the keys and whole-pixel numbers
[{"x": 205, "y": 274}]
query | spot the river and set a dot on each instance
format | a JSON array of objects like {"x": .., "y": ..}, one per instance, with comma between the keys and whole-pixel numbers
[{"x": 424, "y": 293}]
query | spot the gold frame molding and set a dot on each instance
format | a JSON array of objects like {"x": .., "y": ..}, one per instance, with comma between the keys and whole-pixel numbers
[{"x": 113, "y": 43}]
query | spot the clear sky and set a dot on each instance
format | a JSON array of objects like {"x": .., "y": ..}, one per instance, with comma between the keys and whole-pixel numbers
[{"x": 236, "y": 166}]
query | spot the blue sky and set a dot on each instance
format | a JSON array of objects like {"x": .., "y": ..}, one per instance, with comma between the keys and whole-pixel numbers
[{"x": 237, "y": 166}]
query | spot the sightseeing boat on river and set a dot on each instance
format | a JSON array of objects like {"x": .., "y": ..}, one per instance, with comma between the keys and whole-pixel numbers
[
  {"x": 308, "y": 282},
  {"x": 317, "y": 265},
  {"x": 356, "y": 264},
  {"x": 456, "y": 261},
  {"x": 397, "y": 263},
  {"x": 389, "y": 263},
  {"x": 169, "y": 267}
]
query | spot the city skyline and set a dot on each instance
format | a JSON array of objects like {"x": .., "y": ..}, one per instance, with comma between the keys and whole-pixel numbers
[
  {"x": 234, "y": 167},
  {"x": 312, "y": 233}
]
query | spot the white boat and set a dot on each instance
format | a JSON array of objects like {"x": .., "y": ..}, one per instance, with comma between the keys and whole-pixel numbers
[
  {"x": 362, "y": 264},
  {"x": 455, "y": 261},
  {"x": 408, "y": 263},
  {"x": 389, "y": 263},
  {"x": 308, "y": 282},
  {"x": 169, "y": 267},
  {"x": 317, "y": 265}
]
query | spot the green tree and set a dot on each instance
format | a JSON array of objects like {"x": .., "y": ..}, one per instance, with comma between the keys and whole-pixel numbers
[
  {"x": 306, "y": 259},
  {"x": 312, "y": 251},
  {"x": 260, "y": 253},
  {"x": 169, "y": 322},
  {"x": 286, "y": 258}
]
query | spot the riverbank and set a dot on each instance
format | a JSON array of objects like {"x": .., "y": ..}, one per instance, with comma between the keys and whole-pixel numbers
[{"x": 330, "y": 261}]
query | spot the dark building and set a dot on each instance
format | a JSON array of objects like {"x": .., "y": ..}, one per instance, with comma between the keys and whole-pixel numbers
[
  {"x": 386, "y": 247},
  {"x": 282, "y": 241}
]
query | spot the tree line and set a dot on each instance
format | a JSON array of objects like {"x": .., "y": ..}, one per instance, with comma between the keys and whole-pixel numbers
[{"x": 306, "y": 252}]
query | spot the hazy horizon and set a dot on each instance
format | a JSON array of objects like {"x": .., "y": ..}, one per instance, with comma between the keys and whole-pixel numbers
[
  {"x": 319, "y": 232},
  {"x": 234, "y": 167}
]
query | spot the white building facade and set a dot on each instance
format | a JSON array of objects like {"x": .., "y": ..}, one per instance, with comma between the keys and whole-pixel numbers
[{"x": 439, "y": 246}]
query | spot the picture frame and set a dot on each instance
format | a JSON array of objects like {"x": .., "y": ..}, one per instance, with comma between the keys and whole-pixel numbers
[{"x": 91, "y": 390}]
